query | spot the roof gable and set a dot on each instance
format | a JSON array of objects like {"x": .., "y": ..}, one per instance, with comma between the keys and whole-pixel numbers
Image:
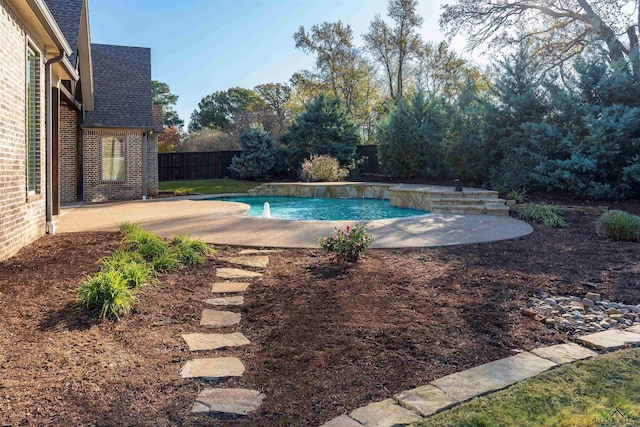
[{"x": 122, "y": 87}]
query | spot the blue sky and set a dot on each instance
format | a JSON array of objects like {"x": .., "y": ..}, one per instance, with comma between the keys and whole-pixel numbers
[{"x": 202, "y": 46}]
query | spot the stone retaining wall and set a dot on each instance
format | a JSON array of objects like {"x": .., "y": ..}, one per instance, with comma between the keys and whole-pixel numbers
[{"x": 433, "y": 198}]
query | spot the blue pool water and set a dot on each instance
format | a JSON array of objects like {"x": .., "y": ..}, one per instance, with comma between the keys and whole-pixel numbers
[{"x": 297, "y": 208}]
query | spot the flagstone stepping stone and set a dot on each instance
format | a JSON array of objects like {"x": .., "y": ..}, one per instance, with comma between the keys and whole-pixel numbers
[
  {"x": 425, "y": 400},
  {"x": 216, "y": 367},
  {"x": 610, "y": 340},
  {"x": 236, "y": 401},
  {"x": 260, "y": 251},
  {"x": 249, "y": 261},
  {"x": 342, "y": 421},
  {"x": 564, "y": 353},
  {"x": 635, "y": 329},
  {"x": 386, "y": 413},
  {"x": 236, "y": 273},
  {"x": 234, "y": 300},
  {"x": 492, "y": 376},
  {"x": 229, "y": 287},
  {"x": 213, "y": 341},
  {"x": 219, "y": 319}
]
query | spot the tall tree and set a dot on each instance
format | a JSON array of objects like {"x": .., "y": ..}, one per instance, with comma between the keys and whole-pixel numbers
[
  {"x": 161, "y": 95},
  {"x": 229, "y": 111},
  {"x": 323, "y": 128},
  {"x": 559, "y": 29},
  {"x": 276, "y": 97},
  {"x": 395, "y": 47}
]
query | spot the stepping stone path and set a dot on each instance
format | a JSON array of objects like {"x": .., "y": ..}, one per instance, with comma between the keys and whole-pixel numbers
[
  {"x": 236, "y": 273},
  {"x": 260, "y": 251},
  {"x": 219, "y": 319},
  {"x": 236, "y": 401},
  {"x": 224, "y": 400},
  {"x": 197, "y": 342},
  {"x": 249, "y": 261},
  {"x": 235, "y": 300},
  {"x": 229, "y": 287},
  {"x": 216, "y": 367}
]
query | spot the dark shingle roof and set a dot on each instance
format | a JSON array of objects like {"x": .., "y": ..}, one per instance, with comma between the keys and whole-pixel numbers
[
  {"x": 67, "y": 14},
  {"x": 122, "y": 87}
]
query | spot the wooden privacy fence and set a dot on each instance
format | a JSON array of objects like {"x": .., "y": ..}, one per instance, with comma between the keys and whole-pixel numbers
[
  {"x": 194, "y": 165},
  {"x": 215, "y": 164}
]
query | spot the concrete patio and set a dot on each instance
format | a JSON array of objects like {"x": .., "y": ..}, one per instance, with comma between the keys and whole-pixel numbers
[{"x": 219, "y": 222}]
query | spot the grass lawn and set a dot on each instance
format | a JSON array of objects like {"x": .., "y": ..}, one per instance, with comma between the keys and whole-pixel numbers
[
  {"x": 207, "y": 186},
  {"x": 579, "y": 394}
]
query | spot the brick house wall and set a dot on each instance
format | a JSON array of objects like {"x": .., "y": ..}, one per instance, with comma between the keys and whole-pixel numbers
[
  {"x": 152, "y": 165},
  {"x": 96, "y": 190},
  {"x": 68, "y": 154},
  {"x": 22, "y": 214}
]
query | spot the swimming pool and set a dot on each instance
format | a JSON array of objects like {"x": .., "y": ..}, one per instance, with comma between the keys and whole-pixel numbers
[{"x": 306, "y": 209}]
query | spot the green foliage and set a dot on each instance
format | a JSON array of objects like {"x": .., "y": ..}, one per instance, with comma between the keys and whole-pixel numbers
[
  {"x": 108, "y": 291},
  {"x": 161, "y": 95},
  {"x": 131, "y": 266},
  {"x": 323, "y": 169},
  {"x": 323, "y": 128},
  {"x": 164, "y": 263},
  {"x": 598, "y": 133},
  {"x": 546, "y": 214},
  {"x": 258, "y": 154},
  {"x": 348, "y": 244},
  {"x": 517, "y": 194},
  {"x": 145, "y": 243},
  {"x": 128, "y": 227},
  {"x": 618, "y": 225},
  {"x": 229, "y": 111},
  {"x": 411, "y": 138},
  {"x": 189, "y": 251}
]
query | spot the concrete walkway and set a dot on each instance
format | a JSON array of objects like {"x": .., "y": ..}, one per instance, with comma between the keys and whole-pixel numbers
[{"x": 219, "y": 222}]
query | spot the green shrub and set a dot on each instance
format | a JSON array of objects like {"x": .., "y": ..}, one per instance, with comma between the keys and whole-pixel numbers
[
  {"x": 618, "y": 225},
  {"x": 189, "y": 251},
  {"x": 165, "y": 262},
  {"x": 517, "y": 194},
  {"x": 145, "y": 243},
  {"x": 128, "y": 227},
  {"x": 323, "y": 169},
  {"x": 546, "y": 214},
  {"x": 108, "y": 291},
  {"x": 196, "y": 245},
  {"x": 348, "y": 244},
  {"x": 258, "y": 154},
  {"x": 131, "y": 265}
]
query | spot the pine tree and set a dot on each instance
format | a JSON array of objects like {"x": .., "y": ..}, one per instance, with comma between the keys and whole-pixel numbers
[{"x": 258, "y": 154}]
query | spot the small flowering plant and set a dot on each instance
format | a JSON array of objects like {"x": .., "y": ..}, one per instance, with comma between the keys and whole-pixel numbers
[{"x": 348, "y": 244}]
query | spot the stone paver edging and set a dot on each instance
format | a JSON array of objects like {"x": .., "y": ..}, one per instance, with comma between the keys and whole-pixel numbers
[{"x": 443, "y": 393}]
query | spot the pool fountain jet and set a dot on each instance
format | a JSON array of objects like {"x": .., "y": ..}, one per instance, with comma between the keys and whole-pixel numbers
[{"x": 267, "y": 210}]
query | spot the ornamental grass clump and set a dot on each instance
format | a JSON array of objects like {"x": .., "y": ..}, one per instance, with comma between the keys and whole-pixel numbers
[
  {"x": 348, "y": 244},
  {"x": 107, "y": 291},
  {"x": 323, "y": 169},
  {"x": 618, "y": 225},
  {"x": 131, "y": 266},
  {"x": 189, "y": 251},
  {"x": 546, "y": 214}
]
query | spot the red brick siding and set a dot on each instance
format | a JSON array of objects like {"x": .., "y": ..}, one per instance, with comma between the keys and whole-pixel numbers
[
  {"x": 95, "y": 190},
  {"x": 68, "y": 135},
  {"x": 22, "y": 215}
]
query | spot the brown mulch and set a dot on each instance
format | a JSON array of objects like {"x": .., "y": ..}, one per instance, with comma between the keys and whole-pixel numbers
[{"x": 325, "y": 338}]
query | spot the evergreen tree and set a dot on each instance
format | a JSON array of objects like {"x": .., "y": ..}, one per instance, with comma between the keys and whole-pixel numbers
[
  {"x": 411, "y": 138},
  {"x": 323, "y": 128},
  {"x": 258, "y": 154}
]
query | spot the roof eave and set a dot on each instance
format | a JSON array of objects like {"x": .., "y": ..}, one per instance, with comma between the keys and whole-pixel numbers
[
  {"x": 50, "y": 25},
  {"x": 84, "y": 58}
]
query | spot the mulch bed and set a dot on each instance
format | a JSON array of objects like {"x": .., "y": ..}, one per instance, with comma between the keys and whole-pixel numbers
[{"x": 325, "y": 338}]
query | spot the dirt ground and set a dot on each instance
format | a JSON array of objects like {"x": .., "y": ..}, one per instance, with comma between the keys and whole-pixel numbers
[{"x": 325, "y": 339}]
